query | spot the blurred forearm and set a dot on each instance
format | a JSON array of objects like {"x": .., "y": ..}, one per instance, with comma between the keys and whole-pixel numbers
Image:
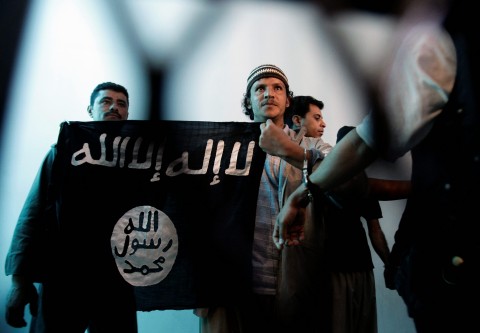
[{"x": 349, "y": 157}]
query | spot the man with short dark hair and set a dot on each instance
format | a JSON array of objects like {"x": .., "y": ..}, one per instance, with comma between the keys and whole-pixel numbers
[{"x": 64, "y": 303}]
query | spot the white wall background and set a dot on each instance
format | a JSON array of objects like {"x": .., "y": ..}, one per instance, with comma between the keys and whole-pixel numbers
[{"x": 208, "y": 49}]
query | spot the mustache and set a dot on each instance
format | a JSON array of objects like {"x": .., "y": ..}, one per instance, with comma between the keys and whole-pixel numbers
[
  {"x": 269, "y": 102},
  {"x": 113, "y": 112}
]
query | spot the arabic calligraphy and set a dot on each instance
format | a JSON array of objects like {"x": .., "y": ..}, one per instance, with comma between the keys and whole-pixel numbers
[
  {"x": 151, "y": 158},
  {"x": 145, "y": 245}
]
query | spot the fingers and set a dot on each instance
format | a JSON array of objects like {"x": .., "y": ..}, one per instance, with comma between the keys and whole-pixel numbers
[
  {"x": 268, "y": 122},
  {"x": 277, "y": 238},
  {"x": 294, "y": 236},
  {"x": 14, "y": 317},
  {"x": 301, "y": 133},
  {"x": 14, "y": 311},
  {"x": 285, "y": 234},
  {"x": 20, "y": 294},
  {"x": 201, "y": 312}
]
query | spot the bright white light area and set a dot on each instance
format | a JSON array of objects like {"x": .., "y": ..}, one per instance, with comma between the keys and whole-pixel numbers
[
  {"x": 208, "y": 79},
  {"x": 161, "y": 26}
]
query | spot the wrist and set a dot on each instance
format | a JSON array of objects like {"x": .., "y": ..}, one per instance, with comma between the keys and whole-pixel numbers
[
  {"x": 303, "y": 196},
  {"x": 312, "y": 187}
]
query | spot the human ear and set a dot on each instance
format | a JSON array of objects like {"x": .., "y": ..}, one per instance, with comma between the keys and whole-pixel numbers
[{"x": 297, "y": 120}]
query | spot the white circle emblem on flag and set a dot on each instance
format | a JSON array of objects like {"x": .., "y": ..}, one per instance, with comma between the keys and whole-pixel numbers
[{"x": 145, "y": 245}]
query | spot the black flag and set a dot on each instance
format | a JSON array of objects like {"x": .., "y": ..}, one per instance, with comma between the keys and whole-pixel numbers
[{"x": 167, "y": 206}]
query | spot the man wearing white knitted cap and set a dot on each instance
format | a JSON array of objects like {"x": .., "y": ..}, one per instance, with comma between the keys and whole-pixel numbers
[{"x": 266, "y": 101}]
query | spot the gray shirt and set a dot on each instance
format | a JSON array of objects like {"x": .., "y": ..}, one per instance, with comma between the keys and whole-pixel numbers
[{"x": 265, "y": 256}]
